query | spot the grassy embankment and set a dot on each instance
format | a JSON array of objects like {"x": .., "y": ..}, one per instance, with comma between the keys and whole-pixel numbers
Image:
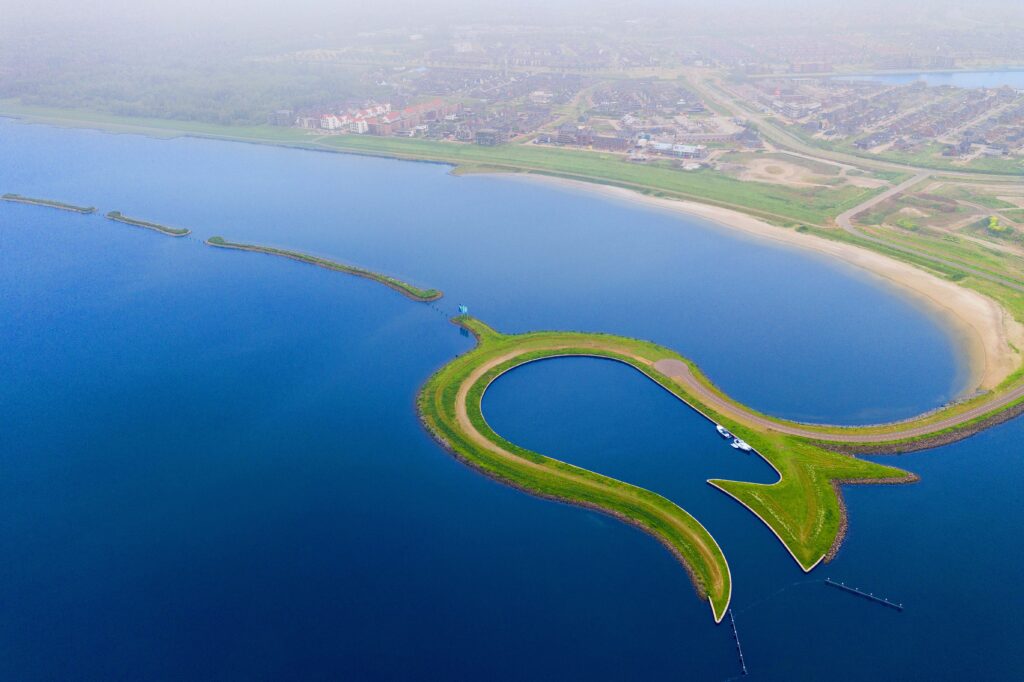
[
  {"x": 172, "y": 231},
  {"x": 48, "y": 202},
  {"x": 776, "y": 203},
  {"x": 803, "y": 508},
  {"x": 404, "y": 288}
]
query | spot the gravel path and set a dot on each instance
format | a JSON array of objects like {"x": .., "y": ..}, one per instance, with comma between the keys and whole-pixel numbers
[{"x": 680, "y": 371}]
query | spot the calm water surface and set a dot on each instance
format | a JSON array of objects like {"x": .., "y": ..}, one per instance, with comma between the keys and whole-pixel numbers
[
  {"x": 211, "y": 465},
  {"x": 960, "y": 79}
]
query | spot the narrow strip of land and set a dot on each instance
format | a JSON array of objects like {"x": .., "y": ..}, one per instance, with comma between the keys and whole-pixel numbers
[
  {"x": 404, "y": 288},
  {"x": 49, "y": 203},
  {"x": 450, "y": 405},
  {"x": 802, "y": 508},
  {"x": 156, "y": 227}
]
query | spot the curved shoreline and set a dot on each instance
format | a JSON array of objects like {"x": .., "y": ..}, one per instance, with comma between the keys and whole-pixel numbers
[
  {"x": 449, "y": 405},
  {"x": 404, "y": 288},
  {"x": 561, "y": 499},
  {"x": 982, "y": 328},
  {"x": 804, "y": 508},
  {"x": 844, "y": 524}
]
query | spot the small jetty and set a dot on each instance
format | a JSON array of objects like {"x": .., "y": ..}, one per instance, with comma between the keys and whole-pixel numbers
[
  {"x": 736, "y": 636},
  {"x": 404, "y": 288},
  {"x": 866, "y": 595},
  {"x": 17, "y": 198},
  {"x": 156, "y": 227}
]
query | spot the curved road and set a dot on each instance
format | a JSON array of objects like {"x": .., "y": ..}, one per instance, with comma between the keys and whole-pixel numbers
[
  {"x": 691, "y": 386},
  {"x": 680, "y": 372}
]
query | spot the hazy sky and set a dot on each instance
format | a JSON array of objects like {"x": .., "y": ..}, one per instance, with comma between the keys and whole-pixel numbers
[
  {"x": 151, "y": 30},
  {"x": 338, "y": 15}
]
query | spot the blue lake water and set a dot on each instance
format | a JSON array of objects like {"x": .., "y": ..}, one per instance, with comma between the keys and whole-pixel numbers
[
  {"x": 959, "y": 79},
  {"x": 210, "y": 464}
]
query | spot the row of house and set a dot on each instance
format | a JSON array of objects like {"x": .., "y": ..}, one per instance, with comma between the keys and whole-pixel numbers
[
  {"x": 583, "y": 136},
  {"x": 378, "y": 119}
]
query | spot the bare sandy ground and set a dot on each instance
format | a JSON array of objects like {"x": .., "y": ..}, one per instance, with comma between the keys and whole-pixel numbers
[
  {"x": 866, "y": 183},
  {"x": 1016, "y": 200},
  {"x": 776, "y": 172},
  {"x": 983, "y": 328}
]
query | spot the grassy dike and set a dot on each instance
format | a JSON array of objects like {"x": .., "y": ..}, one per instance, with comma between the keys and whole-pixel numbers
[
  {"x": 157, "y": 227},
  {"x": 49, "y": 203},
  {"x": 803, "y": 508},
  {"x": 404, "y": 288}
]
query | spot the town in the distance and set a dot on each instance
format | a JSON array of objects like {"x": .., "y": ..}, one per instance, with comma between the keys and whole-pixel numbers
[{"x": 489, "y": 86}]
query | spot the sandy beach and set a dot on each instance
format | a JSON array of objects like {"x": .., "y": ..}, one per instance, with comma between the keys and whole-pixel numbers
[{"x": 982, "y": 327}]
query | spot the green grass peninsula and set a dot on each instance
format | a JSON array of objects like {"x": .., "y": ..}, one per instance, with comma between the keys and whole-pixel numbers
[{"x": 803, "y": 508}]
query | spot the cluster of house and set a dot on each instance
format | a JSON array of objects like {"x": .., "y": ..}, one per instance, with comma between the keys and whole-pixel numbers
[
  {"x": 584, "y": 136},
  {"x": 353, "y": 121},
  {"x": 903, "y": 118},
  {"x": 375, "y": 119},
  {"x": 682, "y": 151}
]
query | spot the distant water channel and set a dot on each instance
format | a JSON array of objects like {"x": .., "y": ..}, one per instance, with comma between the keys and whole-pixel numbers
[
  {"x": 210, "y": 464},
  {"x": 961, "y": 79}
]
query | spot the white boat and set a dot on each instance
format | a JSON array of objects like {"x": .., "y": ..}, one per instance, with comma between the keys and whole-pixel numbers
[
  {"x": 722, "y": 431},
  {"x": 741, "y": 445}
]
